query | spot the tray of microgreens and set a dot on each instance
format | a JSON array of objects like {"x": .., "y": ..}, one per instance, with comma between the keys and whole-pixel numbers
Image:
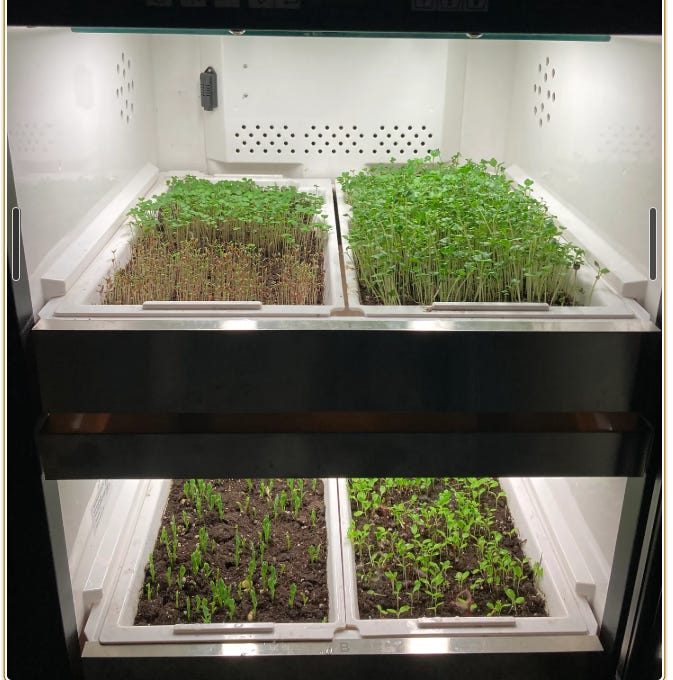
[
  {"x": 425, "y": 556},
  {"x": 457, "y": 236},
  {"x": 200, "y": 244},
  {"x": 224, "y": 558}
]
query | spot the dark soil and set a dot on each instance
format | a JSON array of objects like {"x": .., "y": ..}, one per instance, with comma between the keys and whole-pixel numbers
[
  {"x": 377, "y": 591},
  {"x": 293, "y": 565}
]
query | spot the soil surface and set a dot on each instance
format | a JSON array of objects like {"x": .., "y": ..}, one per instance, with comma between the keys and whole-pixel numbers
[
  {"x": 287, "y": 550},
  {"x": 457, "y": 599}
]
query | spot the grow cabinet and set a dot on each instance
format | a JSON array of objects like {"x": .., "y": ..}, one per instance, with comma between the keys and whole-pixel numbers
[{"x": 557, "y": 399}]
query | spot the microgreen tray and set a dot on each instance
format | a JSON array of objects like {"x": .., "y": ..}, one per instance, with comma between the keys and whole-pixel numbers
[
  {"x": 604, "y": 301},
  {"x": 117, "y": 622},
  {"x": 83, "y": 297},
  {"x": 567, "y": 612}
]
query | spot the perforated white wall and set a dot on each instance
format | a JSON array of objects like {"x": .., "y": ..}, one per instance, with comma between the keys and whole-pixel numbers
[
  {"x": 80, "y": 123},
  {"x": 586, "y": 123},
  {"x": 328, "y": 104}
]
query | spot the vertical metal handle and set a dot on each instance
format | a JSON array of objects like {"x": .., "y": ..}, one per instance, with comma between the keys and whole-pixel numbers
[
  {"x": 15, "y": 244},
  {"x": 653, "y": 244}
]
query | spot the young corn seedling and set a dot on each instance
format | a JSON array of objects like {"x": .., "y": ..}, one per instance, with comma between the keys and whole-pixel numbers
[
  {"x": 203, "y": 539},
  {"x": 253, "y": 602},
  {"x": 181, "y": 575},
  {"x": 252, "y": 566},
  {"x": 266, "y": 528},
  {"x": 271, "y": 582},
  {"x": 292, "y": 595},
  {"x": 169, "y": 576},
  {"x": 288, "y": 542},
  {"x": 196, "y": 561},
  {"x": 314, "y": 552},
  {"x": 313, "y": 517},
  {"x": 218, "y": 505},
  {"x": 189, "y": 609},
  {"x": 151, "y": 568},
  {"x": 185, "y": 519}
]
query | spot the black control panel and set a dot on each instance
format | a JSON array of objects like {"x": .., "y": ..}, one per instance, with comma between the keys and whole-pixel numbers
[{"x": 532, "y": 17}]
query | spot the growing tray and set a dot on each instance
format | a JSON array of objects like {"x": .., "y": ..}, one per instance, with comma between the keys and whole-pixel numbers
[
  {"x": 568, "y": 612},
  {"x": 77, "y": 276},
  {"x": 605, "y": 302},
  {"x": 117, "y": 621}
]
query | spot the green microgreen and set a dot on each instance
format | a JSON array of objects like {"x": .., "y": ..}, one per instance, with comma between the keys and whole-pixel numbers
[{"x": 429, "y": 231}]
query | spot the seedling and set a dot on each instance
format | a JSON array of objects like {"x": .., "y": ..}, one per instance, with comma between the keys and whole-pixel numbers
[
  {"x": 288, "y": 542},
  {"x": 266, "y": 528},
  {"x": 292, "y": 595},
  {"x": 271, "y": 582},
  {"x": 494, "y": 608},
  {"x": 196, "y": 561},
  {"x": 313, "y": 517},
  {"x": 514, "y": 600},
  {"x": 185, "y": 519},
  {"x": 238, "y": 546},
  {"x": 314, "y": 552},
  {"x": 203, "y": 539},
  {"x": 253, "y": 601},
  {"x": 151, "y": 568},
  {"x": 169, "y": 577},
  {"x": 181, "y": 572}
]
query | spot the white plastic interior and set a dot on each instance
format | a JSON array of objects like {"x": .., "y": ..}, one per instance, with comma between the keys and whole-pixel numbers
[{"x": 88, "y": 113}]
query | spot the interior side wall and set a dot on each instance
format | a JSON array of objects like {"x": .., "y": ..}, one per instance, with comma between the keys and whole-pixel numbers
[
  {"x": 80, "y": 116},
  {"x": 586, "y": 124}
]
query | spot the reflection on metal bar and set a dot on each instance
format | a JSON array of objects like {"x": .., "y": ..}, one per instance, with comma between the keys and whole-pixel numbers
[
  {"x": 336, "y": 422},
  {"x": 500, "y": 644}
]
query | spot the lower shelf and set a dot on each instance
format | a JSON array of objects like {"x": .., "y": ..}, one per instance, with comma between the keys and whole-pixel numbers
[{"x": 570, "y": 616}]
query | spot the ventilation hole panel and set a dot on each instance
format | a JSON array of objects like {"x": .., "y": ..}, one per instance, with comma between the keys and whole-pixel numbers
[
  {"x": 545, "y": 72},
  {"x": 125, "y": 86},
  {"x": 333, "y": 138}
]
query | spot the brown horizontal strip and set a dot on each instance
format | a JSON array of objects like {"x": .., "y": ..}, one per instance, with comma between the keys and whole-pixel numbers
[{"x": 332, "y": 422}]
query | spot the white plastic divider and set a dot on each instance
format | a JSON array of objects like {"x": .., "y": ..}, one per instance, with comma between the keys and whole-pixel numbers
[
  {"x": 120, "y": 613},
  {"x": 568, "y": 613},
  {"x": 83, "y": 297},
  {"x": 585, "y": 563},
  {"x": 605, "y": 303},
  {"x": 103, "y": 575},
  {"x": 623, "y": 276}
]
